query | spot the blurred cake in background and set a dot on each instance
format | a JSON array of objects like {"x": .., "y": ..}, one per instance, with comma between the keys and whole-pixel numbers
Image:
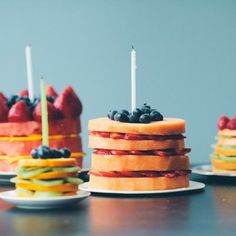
[
  {"x": 224, "y": 156},
  {"x": 20, "y": 125}
]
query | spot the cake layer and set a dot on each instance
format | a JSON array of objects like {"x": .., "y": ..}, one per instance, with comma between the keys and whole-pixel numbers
[
  {"x": 223, "y": 165},
  {"x": 138, "y": 184},
  {"x": 9, "y": 164},
  {"x": 17, "y": 148},
  {"x": 122, "y": 144},
  {"x": 227, "y": 141},
  {"x": 60, "y": 188},
  {"x": 227, "y": 132},
  {"x": 57, "y": 162},
  {"x": 225, "y": 152},
  {"x": 138, "y": 163},
  {"x": 63, "y": 127},
  {"x": 166, "y": 127}
]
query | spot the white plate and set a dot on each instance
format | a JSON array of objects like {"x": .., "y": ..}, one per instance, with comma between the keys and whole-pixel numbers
[
  {"x": 193, "y": 186},
  {"x": 207, "y": 170},
  {"x": 42, "y": 203}
]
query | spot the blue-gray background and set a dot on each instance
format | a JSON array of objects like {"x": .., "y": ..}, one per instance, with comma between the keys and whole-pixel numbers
[{"x": 186, "y": 55}]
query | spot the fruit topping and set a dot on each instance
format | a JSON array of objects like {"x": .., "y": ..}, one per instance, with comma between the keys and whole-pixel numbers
[
  {"x": 2, "y": 98},
  {"x": 52, "y": 112},
  {"x": 24, "y": 93},
  {"x": 231, "y": 124},
  {"x": 44, "y": 152},
  {"x": 68, "y": 103},
  {"x": 3, "y": 112},
  {"x": 111, "y": 114},
  {"x": 222, "y": 122},
  {"x": 50, "y": 91},
  {"x": 145, "y": 115},
  {"x": 19, "y": 112}
]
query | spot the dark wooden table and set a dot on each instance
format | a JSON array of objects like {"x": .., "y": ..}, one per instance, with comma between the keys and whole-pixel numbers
[{"x": 209, "y": 212}]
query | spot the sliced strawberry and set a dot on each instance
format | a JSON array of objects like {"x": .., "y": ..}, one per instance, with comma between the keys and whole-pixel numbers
[
  {"x": 24, "y": 93},
  {"x": 119, "y": 152},
  {"x": 117, "y": 135},
  {"x": 232, "y": 124},
  {"x": 68, "y": 103},
  {"x": 101, "y": 134},
  {"x": 3, "y": 112},
  {"x": 19, "y": 112},
  {"x": 134, "y": 137},
  {"x": 135, "y": 152},
  {"x": 102, "y": 152},
  {"x": 2, "y": 97},
  {"x": 50, "y": 91},
  {"x": 52, "y": 112},
  {"x": 183, "y": 151}
]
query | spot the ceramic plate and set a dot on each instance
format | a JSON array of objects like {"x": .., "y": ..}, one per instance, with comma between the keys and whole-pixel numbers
[
  {"x": 42, "y": 203},
  {"x": 193, "y": 186},
  {"x": 207, "y": 170}
]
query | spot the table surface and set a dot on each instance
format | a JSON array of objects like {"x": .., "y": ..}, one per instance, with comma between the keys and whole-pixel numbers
[{"x": 208, "y": 212}]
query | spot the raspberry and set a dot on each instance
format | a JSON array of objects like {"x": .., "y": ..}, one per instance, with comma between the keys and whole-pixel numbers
[
  {"x": 232, "y": 124},
  {"x": 222, "y": 122}
]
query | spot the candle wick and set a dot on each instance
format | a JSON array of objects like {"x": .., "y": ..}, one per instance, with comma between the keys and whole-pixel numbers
[{"x": 132, "y": 47}]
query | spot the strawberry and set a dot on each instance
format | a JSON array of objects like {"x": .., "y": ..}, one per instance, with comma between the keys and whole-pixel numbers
[
  {"x": 231, "y": 124},
  {"x": 2, "y": 97},
  {"x": 52, "y": 112},
  {"x": 23, "y": 93},
  {"x": 3, "y": 112},
  {"x": 222, "y": 122},
  {"x": 68, "y": 103},
  {"x": 19, "y": 112},
  {"x": 50, "y": 91}
]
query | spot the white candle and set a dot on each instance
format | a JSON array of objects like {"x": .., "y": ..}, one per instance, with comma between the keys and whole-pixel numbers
[
  {"x": 133, "y": 79},
  {"x": 29, "y": 70}
]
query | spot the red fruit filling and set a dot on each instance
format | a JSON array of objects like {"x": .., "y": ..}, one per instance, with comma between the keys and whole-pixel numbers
[
  {"x": 114, "y": 135},
  {"x": 127, "y": 174},
  {"x": 166, "y": 152}
]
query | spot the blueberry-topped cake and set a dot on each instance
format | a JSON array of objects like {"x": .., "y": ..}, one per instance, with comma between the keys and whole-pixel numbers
[
  {"x": 50, "y": 173},
  {"x": 138, "y": 150}
]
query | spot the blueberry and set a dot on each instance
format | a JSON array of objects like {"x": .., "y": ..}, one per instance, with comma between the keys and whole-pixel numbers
[
  {"x": 11, "y": 101},
  {"x": 65, "y": 152},
  {"x": 111, "y": 114},
  {"x": 145, "y": 108},
  {"x": 156, "y": 116},
  {"x": 145, "y": 118},
  {"x": 121, "y": 117},
  {"x": 54, "y": 153},
  {"x": 43, "y": 152},
  {"x": 34, "y": 153},
  {"x": 133, "y": 118},
  {"x": 51, "y": 99},
  {"x": 124, "y": 112},
  {"x": 137, "y": 112}
]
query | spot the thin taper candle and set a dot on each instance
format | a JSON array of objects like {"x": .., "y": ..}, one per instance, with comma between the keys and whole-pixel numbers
[
  {"x": 133, "y": 79},
  {"x": 29, "y": 70},
  {"x": 44, "y": 111}
]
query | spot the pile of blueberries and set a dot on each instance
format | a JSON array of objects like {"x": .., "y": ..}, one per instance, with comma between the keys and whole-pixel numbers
[
  {"x": 44, "y": 152},
  {"x": 145, "y": 114},
  {"x": 15, "y": 98}
]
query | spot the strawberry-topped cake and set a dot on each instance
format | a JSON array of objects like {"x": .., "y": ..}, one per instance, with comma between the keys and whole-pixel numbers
[
  {"x": 224, "y": 156},
  {"x": 139, "y": 150},
  {"x": 20, "y": 125}
]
